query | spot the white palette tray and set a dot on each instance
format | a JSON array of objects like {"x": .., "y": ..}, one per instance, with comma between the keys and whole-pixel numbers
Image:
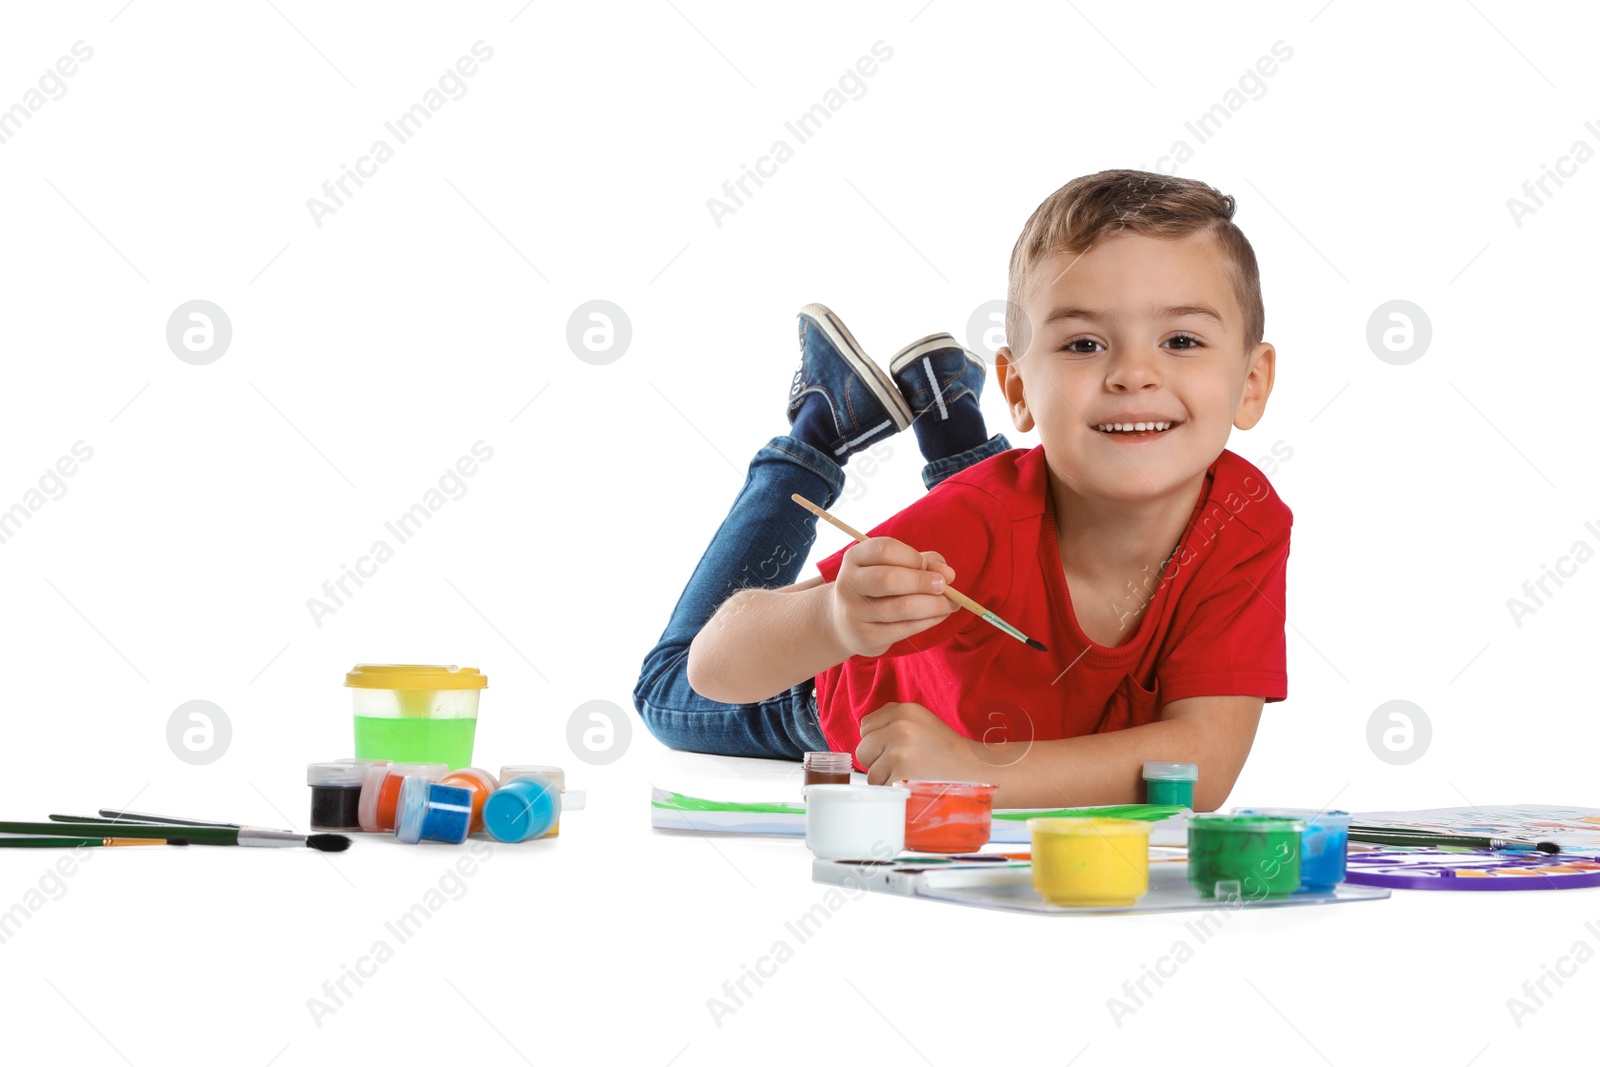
[{"x": 1009, "y": 887}]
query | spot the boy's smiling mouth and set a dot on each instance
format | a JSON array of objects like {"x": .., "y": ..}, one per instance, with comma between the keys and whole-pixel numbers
[{"x": 1136, "y": 425}]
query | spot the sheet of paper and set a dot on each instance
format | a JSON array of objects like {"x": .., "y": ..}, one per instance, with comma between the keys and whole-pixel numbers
[{"x": 675, "y": 811}]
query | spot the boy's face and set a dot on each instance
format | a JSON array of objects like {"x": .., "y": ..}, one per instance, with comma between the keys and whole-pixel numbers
[{"x": 1119, "y": 335}]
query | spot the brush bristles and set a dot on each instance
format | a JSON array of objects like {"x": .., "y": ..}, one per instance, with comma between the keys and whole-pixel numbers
[
  {"x": 1037, "y": 645},
  {"x": 328, "y": 842}
]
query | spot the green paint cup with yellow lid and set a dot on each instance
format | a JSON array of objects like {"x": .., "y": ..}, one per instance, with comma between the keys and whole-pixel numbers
[{"x": 415, "y": 712}]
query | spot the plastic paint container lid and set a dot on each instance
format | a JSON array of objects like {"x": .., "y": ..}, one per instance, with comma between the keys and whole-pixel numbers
[
  {"x": 513, "y": 815},
  {"x": 554, "y": 775},
  {"x": 1067, "y": 826},
  {"x": 410, "y": 811},
  {"x": 573, "y": 799},
  {"x": 414, "y": 676},
  {"x": 1245, "y": 824},
  {"x": 947, "y": 789},
  {"x": 367, "y": 808},
  {"x": 855, "y": 793},
  {"x": 1171, "y": 772},
  {"x": 431, "y": 771},
  {"x": 364, "y": 763},
  {"x": 482, "y": 777},
  {"x": 341, "y": 775},
  {"x": 1310, "y": 816}
]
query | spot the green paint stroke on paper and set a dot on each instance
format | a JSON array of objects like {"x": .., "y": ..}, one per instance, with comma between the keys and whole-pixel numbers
[
  {"x": 1145, "y": 812},
  {"x": 679, "y": 802}
]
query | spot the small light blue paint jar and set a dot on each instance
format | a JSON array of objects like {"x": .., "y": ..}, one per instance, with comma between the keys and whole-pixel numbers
[
  {"x": 430, "y": 811},
  {"x": 523, "y": 808},
  {"x": 1323, "y": 845}
]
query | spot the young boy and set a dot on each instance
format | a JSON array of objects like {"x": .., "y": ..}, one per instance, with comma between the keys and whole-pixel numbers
[{"x": 1147, "y": 558}]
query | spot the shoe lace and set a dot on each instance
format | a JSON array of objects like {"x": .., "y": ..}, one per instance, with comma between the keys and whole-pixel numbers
[{"x": 800, "y": 371}]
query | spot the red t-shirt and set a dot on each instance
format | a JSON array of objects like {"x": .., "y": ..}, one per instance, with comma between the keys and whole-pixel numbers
[{"x": 1213, "y": 627}]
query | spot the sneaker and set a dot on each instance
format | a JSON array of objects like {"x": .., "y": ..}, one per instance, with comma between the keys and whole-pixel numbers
[
  {"x": 864, "y": 402},
  {"x": 934, "y": 373}
]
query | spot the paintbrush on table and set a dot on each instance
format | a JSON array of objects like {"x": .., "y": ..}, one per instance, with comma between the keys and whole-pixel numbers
[
  {"x": 1386, "y": 835},
  {"x": 113, "y": 815},
  {"x": 33, "y": 841},
  {"x": 960, "y": 598},
  {"x": 196, "y": 834}
]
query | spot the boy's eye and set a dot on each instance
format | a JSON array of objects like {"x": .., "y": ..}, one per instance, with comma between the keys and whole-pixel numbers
[
  {"x": 1070, "y": 346},
  {"x": 1188, "y": 343}
]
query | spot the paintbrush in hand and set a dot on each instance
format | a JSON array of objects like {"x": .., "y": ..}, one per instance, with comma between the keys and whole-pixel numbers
[{"x": 960, "y": 598}]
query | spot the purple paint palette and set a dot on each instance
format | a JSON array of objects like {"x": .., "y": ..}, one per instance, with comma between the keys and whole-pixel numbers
[{"x": 1393, "y": 867}]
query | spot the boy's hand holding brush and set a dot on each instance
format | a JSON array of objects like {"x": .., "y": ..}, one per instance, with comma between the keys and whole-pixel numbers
[{"x": 885, "y": 592}]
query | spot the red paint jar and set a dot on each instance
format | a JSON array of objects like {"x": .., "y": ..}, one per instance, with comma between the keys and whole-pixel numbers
[
  {"x": 948, "y": 816},
  {"x": 380, "y": 793}
]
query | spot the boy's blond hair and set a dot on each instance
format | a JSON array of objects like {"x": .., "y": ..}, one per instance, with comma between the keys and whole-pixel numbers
[{"x": 1088, "y": 209}]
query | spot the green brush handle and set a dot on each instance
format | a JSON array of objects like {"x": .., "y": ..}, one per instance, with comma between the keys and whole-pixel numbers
[
  {"x": 196, "y": 835},
  {"x": 50, "y": 842}
]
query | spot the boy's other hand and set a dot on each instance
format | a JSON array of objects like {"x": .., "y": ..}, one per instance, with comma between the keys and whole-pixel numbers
[
  {"x": 909, "y": 741},
  {"x": 886, "y": 591}
]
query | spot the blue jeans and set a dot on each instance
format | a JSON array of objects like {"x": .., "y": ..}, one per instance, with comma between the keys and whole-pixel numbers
[{"x": 762, "y": 543}]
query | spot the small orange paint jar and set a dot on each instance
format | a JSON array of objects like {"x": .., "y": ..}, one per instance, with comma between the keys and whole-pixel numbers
[
  {"x": 948, "y": 816},
  {"x": 480, "y": 784},
  {"x": 380, "y": 792}
]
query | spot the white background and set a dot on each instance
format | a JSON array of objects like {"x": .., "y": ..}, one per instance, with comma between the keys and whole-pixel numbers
[{"x": 429, "y": 312}]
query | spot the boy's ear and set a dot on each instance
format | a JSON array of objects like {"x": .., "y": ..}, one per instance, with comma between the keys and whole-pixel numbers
[
  {"x": 1257, "y": 386},
  {"x": 1006, "y": 374}
]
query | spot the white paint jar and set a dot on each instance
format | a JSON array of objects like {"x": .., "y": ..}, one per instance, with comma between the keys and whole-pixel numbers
[{"x": 856, "y": 822}]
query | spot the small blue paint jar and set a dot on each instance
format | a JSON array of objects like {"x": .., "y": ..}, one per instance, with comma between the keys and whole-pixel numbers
[
  {"x": 1323, "y": 844},
  {"x": 431, "y": 811},
  {"x": 523, "y": 808}
]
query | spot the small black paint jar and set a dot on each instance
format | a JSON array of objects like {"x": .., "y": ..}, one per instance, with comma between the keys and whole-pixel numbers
[{"x": 335, "y": 795}]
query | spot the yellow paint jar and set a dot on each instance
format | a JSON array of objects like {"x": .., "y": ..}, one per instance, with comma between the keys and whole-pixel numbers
[{"x": 1090, "y": 862}]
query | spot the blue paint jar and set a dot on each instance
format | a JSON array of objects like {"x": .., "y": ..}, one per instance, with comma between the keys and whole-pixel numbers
[
  {"x": 1323, "y": 844},
  {"x": 520, "y": 809},
  {"x": 430, "y": 811}
]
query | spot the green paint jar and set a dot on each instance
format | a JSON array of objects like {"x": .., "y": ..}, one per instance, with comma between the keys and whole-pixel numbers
[
  {"x": 1251, "y": 856},
  {"x": 1170, "y": 783}
]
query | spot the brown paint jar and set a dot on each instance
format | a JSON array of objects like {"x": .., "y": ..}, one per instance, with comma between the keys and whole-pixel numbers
[{"x": 825, "y": 768}]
